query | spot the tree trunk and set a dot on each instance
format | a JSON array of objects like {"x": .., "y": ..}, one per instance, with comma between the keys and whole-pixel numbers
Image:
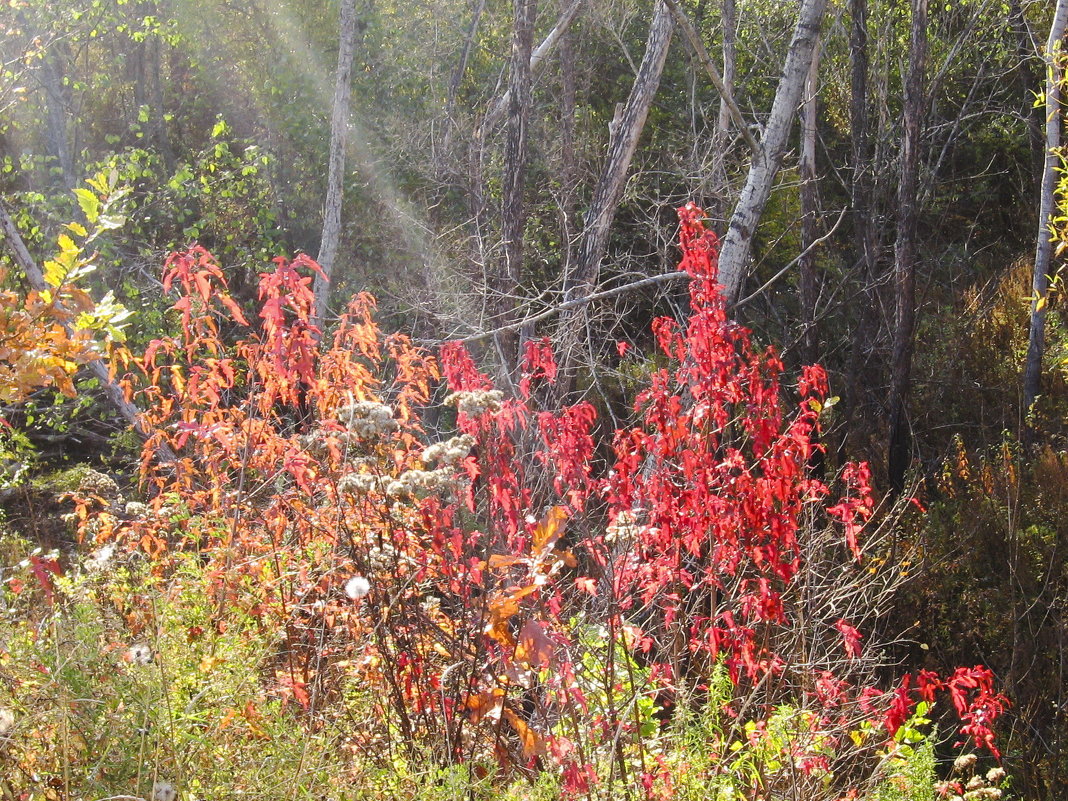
[
  {"x": 720, "y": 182},
  {"x": 725, "y": 94},
  {"x": 730, "y": 37},
  {"x": 159, "y": 111},
  {"x": 738, "y": 242},
  {"x": 860, "y": 205},
  {"x": 624, "y": 132},
  {"x": 57, "y": 114},
  {"x": 1036, "y": 345},
  {"x": 537, "y": 60},
  {"x": 513, "y": 218},
  {"x": 905, "y": 250},
  {"x": 809, "y": 214},
  {"x": 567, "y": 169},
  {"x": 465, "y": 56},
  {"x": 441, "y": 152},
  {"x": 335, "y": 178},
  {"x": 1028, "y": 76}
]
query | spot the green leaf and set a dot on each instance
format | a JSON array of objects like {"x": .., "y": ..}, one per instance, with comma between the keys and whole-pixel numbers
[{"x": 77, "y": 228}]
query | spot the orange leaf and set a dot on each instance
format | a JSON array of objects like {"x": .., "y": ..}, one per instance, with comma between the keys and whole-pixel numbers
[
  {"x": 501, "y": 560},
  {"x": 485, "y": 705},
  {"x": 502, "y": 607},
  {"x": 532, "y": 743},
  {"x": 549, "y": 530}
]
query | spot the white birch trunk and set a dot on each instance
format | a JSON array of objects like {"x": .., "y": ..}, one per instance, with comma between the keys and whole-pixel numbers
[
  {"x": 1044, "y": 247},
  {"x": 335, "y": 179},
  {"x": 737, "y": 244}
]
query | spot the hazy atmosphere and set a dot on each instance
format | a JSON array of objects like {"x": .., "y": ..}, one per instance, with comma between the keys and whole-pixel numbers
[{"x": 578, "y": 399}]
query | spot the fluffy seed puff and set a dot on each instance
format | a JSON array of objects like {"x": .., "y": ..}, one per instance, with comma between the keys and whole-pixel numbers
[{"x": 357, "y": 587}]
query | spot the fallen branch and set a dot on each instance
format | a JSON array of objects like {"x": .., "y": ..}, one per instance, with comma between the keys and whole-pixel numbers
[{"x": 698, "y": 47}]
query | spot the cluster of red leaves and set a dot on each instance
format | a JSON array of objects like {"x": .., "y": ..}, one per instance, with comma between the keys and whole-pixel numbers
[
  {"x": 715, "y": 484},
  {"x": 304, "y": 466}
]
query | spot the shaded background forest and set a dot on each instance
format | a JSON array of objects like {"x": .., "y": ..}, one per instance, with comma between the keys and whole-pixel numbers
[{"x": 217, "y": 116}]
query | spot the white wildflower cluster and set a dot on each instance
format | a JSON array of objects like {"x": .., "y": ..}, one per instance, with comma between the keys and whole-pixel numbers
[
  {"x": 420, "y": 483},
  {"x": 136, "y": 509},
  {"x": 983, "y": 794},
  {"x": 362, "y": 423},
  {"x": 140, "y": 654},
  {"x": 475, "y": 402},
  {"x": 360, "y": 483},
  {"x": 93, "y": 482},
  {"x": 450, "y": 452},
  {"x": 100, "y": 559},
  {"x": 978, "y": 787},
  {"x": 367, "y": 419},
  {"x": 410, "y": 483}
]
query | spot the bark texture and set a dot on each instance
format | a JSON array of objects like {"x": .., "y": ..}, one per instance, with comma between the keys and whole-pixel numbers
[
  {"x": 860, "y": 204},
  {"x": 513, "y": 217},
  {"x": 625, "y": 131},
  {"x": 900, "y": 441},
  {"x": 335, "y": 178},
  {"x": 738, "y": 242},
  {"x": 1036, "y": 343},
  {"x": 537, "y": 62},
  {"x": 809, "y": 214}
]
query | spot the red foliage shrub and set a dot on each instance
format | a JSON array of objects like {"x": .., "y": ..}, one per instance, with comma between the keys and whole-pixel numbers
[{"x": 461, "y": 579}]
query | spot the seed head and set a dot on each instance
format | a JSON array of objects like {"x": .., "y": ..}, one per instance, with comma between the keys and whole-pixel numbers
[
  {"x": 140, "y": 654},
  {"x": 357, "y": 587}
]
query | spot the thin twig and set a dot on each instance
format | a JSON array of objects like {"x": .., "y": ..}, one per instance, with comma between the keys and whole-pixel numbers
[{"x": 787, "y": 268}]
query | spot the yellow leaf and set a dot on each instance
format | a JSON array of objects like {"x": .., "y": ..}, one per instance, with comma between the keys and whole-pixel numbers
[{"x": 209, "y": 663}]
